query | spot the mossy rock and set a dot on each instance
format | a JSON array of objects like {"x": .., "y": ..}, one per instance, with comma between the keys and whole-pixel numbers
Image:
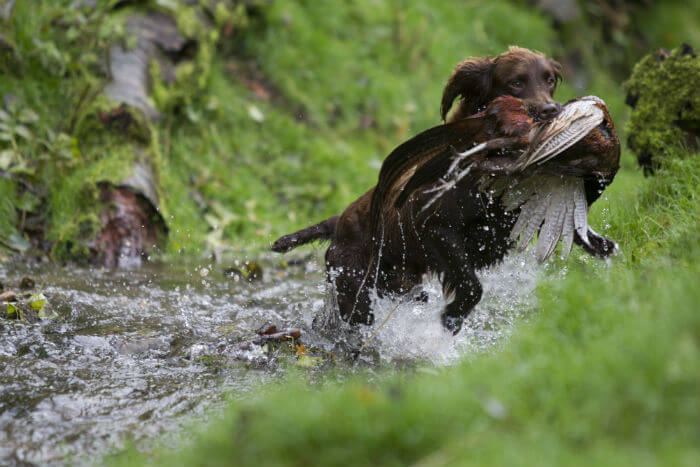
[{"x": 663, "y": 92}]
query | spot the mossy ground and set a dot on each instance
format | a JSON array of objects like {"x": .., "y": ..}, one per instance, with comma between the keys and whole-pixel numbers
[{"x": 664, "y": 90}]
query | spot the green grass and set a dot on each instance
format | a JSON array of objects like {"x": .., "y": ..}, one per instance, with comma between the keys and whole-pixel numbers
[
  {"x": 363, "y": 75},
  {"x": 604, "y": 374}
]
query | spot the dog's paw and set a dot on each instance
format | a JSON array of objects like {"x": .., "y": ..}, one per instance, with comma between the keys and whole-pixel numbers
[
  {"x": 452, "y": 323},
  {"x": 286, "y": 243}
]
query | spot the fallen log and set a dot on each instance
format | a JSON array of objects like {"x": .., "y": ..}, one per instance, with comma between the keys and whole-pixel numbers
[
  {"x": 157, "y": 38},
  {"x": 132, "y": 225}
]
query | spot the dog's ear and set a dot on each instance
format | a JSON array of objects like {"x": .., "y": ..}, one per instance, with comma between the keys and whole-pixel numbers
[
  {"x": 557, "y": 69},
  {"x": 471, "y": 80}
]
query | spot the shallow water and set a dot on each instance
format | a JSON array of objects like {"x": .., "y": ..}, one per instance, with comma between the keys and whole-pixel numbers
[{"x": 120, "y": 363}]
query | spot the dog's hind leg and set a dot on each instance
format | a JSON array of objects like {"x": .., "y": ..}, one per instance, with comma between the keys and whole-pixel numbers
[
  {"x": 352, "y": 287},
  {"x": 321, "y": 231}
]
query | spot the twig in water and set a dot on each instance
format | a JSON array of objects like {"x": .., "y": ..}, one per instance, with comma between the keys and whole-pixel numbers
[{"x": 375, "y": 331}]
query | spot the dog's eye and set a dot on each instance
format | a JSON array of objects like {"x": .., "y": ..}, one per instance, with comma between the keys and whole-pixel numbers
[
  {"x": 551, "y": 80},
  {"x": 517, "y": 84}
]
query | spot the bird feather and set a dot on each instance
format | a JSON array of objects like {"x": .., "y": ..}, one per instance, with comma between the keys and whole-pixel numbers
[
  {"x": 581, "y": 212},
  {"x": 575, "y": 121},
  {"x": 568, "y": 231},
  {"x": 534, "y": 222}
]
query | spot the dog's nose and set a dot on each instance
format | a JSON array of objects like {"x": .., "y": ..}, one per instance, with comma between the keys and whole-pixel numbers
[{"x": 549, "y": 110}]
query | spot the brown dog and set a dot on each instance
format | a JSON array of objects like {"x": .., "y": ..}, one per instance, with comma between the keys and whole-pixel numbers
[
  {"x": 522, "y": 73},
  {"x": 465, "y": 230}
]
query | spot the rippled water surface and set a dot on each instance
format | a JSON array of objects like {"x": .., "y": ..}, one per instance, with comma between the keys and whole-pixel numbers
[{"x": 124, "y": 358}]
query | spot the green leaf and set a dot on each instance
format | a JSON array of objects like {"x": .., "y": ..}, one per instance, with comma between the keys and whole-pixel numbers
[
  {"x": 131, "y": 42},
  {"x": 47, "y": 314},
  {"x": 12, "y": 311},
  {"x": 23, "y": 131},
  {"x": 11, "y": 104},
  {"x": 37, "y": 301},
  {"x": 4, "y": 116},
  {"x": 6, "y": 158},
  {"x": 66, "y": 154},
  {"x": 89, "y": 58},
  {"x": 16, "y": 242},
  {"x": 28, "y": 116},
  {"x": 72, "y": 34},
  {"x": 28, "y": 202},
  {"x": 22, "y": 168},
  {"x": 306, "y": 361},
  {"x": 192, "y": 115}
]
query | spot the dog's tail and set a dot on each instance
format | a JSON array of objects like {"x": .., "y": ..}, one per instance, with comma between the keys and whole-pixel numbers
[{"x": 321, "y": 231}]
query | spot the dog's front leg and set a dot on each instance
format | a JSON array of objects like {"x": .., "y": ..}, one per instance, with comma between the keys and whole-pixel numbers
[
  {"x": 467, "y": 291},
  {"x": 449, "y": 258}
]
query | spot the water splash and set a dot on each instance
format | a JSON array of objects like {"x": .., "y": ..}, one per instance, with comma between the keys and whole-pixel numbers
[{"x": 414, "y": 332}]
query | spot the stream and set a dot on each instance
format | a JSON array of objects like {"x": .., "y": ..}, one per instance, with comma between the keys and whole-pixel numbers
[{"x": 123, "y": 361}]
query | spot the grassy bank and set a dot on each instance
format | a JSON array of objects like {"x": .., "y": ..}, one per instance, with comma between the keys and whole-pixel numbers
[
  {"x": 281, "y": 118},
  {"x": 605, "y": 374}
]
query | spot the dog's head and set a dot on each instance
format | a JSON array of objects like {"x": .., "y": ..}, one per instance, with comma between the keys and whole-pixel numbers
[{"x": 522, "y": 73}]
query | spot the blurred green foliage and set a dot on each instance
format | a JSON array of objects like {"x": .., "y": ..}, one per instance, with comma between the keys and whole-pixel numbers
[{"x": 282, "y": 112}]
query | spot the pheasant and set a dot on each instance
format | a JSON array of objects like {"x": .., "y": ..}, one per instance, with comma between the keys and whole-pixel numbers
[{"x": 549, "y": 171}]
